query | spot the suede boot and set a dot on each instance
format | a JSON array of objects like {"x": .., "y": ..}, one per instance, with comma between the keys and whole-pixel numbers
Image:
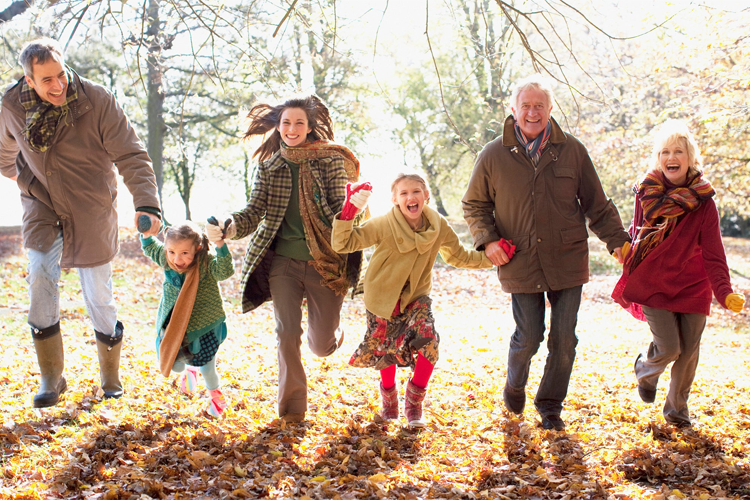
[
  {"x": 390, "y": 403},
  {"x": 108, "y": 349},
  {"x": 50, "y": 356},
  {"x": 413, "y": 404}
]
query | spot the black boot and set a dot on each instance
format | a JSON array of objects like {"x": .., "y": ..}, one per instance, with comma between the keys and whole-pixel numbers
[
  {"x": 108, "y": 349},
  {"x": 51, "y": 358}
]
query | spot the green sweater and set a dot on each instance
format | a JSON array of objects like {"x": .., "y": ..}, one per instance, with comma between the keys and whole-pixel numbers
[{"x": 208, "y": 311}]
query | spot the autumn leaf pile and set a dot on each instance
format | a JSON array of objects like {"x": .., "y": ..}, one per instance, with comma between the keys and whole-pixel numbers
[{"x": 156, "y": 443}]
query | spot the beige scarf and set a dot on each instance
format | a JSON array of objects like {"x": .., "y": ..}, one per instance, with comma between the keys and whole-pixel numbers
[{"x": 175, "y": 332}]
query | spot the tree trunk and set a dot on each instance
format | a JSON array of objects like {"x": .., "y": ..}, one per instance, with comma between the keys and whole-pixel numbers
[{"x": 156, "y": 126}]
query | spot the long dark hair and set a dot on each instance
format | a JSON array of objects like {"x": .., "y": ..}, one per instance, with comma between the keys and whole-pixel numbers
[
  {"x": 192, "y": 232},
  {"x": 263, "y": 118}
]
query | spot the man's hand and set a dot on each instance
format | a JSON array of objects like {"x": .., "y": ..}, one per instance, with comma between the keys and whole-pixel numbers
[
  {"x": 617, "y": 254},
  {"x": 496, "y": 254},
  {"x": 155, "y": 224}
]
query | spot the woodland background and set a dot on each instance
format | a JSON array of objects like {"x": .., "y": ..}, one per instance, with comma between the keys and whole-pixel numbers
[{"x": 412, "y": 85}]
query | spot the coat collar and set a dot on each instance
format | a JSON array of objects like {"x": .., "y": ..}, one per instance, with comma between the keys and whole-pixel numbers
[
  {"x": 509, "y": 134},
  {"x": 406, "y": 238}
]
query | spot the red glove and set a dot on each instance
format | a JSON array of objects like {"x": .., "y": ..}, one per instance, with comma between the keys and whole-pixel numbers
[
  {"x": 508, "y": 247},
  {"x": 349, "y": 211}
]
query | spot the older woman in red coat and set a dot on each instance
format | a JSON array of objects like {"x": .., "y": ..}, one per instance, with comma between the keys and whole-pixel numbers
[{"x": 674, "y": 266}]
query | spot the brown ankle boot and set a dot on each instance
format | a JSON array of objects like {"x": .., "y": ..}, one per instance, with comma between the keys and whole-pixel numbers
[
  {"x": 390, "y": 403},
  {"x": 413, "y": 404}
]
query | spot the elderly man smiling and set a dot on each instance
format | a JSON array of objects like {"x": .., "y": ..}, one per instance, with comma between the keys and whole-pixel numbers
[
  {"x": 61, "y": 137},
  {"x": 527, "y": 202}
]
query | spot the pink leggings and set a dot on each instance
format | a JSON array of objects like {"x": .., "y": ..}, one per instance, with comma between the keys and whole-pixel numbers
[{"x": 420, "y": 378}]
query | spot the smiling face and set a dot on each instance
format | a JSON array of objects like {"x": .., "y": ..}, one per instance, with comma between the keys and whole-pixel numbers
[
  {"x": 50, "y": 81},
  {"x": 532, "y": 112},
  {"x": 294, "y": 127},
  {"x": 410, "y": 196},
  {"x": 180, "y": 253},
  {"x": 674, "y": 162}
]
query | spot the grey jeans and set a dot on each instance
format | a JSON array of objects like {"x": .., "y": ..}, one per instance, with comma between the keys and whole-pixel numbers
[
  {"x": 290, "y": 280},
  {"x": 676, "y": 337}
]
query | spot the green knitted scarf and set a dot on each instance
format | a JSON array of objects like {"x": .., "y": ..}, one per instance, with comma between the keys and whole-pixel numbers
[{"x": 42, "y": 117}]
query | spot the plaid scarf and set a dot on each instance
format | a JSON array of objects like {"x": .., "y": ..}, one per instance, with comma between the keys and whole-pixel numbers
[
  {"x": 330, "y": 265},
  {"x": 663, "y": 206},
  {"x": 42, "y": 117},
  {"x": 533, "y": 148}
]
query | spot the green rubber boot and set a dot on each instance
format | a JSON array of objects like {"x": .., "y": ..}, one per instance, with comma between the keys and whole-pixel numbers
[
  {"x": 108, "y": 349},
  {"x": 50, "y": 356}
]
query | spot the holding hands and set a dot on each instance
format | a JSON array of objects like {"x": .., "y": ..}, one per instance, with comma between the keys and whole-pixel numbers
[
  {"x": 500, "y": 252},
  {"x": 147, "y": 224},
  {"x": 217, "y": 231},
  {"x": 357, "y": 195}
]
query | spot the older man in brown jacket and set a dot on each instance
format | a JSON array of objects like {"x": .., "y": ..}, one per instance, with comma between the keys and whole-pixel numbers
[
  {"x": 536, "y": 186},
  {"x": 61, "y": 137}
]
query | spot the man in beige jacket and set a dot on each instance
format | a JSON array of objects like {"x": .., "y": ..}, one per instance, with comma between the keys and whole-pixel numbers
[{"x": 61, "y": 137}]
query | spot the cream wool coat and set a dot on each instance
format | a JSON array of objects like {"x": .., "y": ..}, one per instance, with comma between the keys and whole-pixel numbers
[{"x": 402, "y": 255}]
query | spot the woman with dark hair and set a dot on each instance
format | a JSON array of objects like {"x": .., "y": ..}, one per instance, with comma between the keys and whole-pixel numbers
[{"x": 299, "y": 186}]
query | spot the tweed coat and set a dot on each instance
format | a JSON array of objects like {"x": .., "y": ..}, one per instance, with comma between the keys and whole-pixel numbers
[
  {"x": 208, "y": 310},
  {"x": 265, "y": 210}
]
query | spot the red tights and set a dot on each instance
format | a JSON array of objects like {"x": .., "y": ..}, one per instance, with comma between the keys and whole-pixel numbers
[{"x": 420, "y": 378}]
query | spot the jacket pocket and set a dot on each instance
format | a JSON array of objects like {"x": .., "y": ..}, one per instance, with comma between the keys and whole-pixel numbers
[
  {"x": 573, "y": 234},
  {"x": 566, "y": 182},
  {"x": 518, "y": 267}
]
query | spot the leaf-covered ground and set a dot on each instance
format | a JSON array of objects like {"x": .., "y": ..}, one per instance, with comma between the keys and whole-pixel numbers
[{"x": 154, "y": 442}]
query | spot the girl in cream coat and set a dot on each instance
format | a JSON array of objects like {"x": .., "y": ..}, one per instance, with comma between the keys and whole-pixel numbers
[{"x": 400, "y": 326}]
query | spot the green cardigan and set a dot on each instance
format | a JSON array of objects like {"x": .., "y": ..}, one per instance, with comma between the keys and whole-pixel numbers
[{"x": 208, "y": 311}]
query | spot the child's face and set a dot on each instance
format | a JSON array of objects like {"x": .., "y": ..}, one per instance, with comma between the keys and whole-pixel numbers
[
  {"x": 180, "y": 253},
  {"x": 410, "y": 196},
  {"x": 294, "y": 127}
]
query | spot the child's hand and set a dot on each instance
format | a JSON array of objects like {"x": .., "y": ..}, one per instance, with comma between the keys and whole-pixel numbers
[
  {"x": 508, "y": 247},
  {"x": 356, "y": 199},
  {"x": 735, "y": 302}
]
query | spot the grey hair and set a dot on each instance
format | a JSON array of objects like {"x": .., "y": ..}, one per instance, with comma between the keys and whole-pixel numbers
[
  {"x": 39, "y": 51},
  {"x": 535, "y": 81}
]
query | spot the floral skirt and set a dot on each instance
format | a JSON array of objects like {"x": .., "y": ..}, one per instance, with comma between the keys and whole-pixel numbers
[{"x": 399, "y": 340}]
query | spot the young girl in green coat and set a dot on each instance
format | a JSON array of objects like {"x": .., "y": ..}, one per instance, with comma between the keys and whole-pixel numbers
[
  {"x": 400, "y": 325},
  {"x": 190, "y": 323}
]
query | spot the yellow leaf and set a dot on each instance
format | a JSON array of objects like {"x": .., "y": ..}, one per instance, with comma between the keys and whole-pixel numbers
[
  {"x": 318, "y": 479},
  {"x": 378, "y": 478},
  {"x": 240, "y": 471}
]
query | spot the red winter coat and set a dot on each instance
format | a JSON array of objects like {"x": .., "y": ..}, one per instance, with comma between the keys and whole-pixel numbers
[{"x": 681, "y": 273}]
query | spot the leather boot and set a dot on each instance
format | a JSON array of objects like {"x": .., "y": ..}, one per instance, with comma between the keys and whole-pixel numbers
[
  {"x": 108, "y": 349},
  {"x": 51, "y": 358}
]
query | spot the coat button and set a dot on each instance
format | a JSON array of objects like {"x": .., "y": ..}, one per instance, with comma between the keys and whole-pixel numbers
[
  {"x": 538, "y": 240},
  {"x": 539, "y": 286},
  {"x": 400, "y": 240},
  {"x": 49, "y": 174}
]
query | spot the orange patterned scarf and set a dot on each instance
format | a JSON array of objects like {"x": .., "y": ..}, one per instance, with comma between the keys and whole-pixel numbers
[
  {"x": 663, "y": 207},
  {"x": 330, "y": 265}
]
